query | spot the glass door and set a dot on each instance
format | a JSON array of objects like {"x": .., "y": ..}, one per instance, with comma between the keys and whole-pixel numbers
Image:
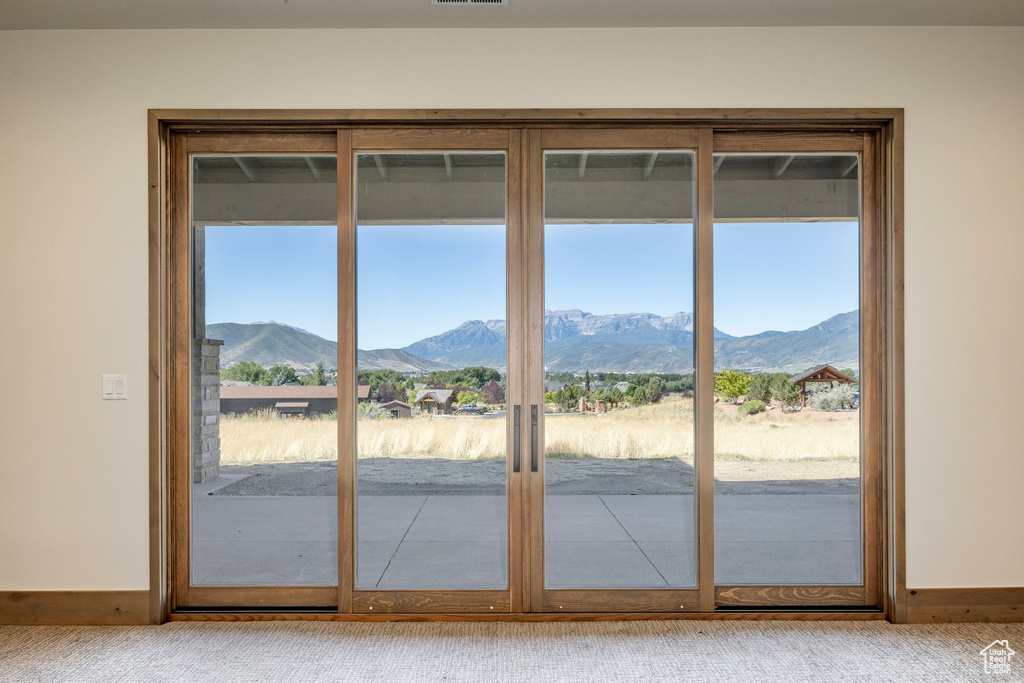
[
  {"x": 545, "y": 369},
  {"x": 259, "y": 256},
  {"x": 434, "y": 381},
  {"x": 612, "y": 368}
]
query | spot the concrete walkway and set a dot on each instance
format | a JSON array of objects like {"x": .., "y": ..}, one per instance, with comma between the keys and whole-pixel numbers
[{"x": 592, "y": 541}]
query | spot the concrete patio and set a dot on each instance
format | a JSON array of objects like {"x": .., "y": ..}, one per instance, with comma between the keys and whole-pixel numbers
[{"x": 458, "y": 541}]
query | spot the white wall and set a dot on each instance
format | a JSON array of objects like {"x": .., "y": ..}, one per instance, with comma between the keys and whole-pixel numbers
[{"x": 73, "y": 253}]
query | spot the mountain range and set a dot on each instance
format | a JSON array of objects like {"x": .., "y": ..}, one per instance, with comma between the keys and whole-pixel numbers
[
  {"x": 574, "y": 341},
  {"x": 270, "y": 343}
]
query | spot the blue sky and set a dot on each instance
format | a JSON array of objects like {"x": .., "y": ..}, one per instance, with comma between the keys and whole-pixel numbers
[{"x": 418, "y": 281}]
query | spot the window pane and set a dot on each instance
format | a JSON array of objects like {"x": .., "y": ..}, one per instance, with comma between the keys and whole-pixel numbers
[
  {"x": 618, "y": 356},
  {"x": 787, "y": 358},
  {"x": 265, "y": 451},
  {"x": 430, "y": 263}
]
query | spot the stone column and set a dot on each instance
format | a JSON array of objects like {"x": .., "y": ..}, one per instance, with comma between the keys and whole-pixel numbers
[{"x": 205, "y": 409}]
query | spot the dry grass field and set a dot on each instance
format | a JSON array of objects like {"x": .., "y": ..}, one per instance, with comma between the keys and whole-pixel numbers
[{"x": 656, "y": 431}]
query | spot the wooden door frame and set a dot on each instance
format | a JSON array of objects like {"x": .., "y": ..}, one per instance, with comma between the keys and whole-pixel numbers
[
  {"x": 884, "y": 126},
  {"x": 636, "y": 600},
  {"x": 414, "y": 140}
]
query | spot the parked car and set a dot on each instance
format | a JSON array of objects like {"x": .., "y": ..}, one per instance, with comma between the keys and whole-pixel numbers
[{"x": 471, "y": 409}]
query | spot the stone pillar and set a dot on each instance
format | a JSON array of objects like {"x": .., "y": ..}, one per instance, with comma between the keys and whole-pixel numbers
[{"x": 205, "y": 409}]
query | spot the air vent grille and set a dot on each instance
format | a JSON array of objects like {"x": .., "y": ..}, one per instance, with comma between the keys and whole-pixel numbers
[{"x": 469, "y": 2}]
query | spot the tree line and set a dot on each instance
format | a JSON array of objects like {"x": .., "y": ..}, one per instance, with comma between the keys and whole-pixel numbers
[{"x": 276, "y": 375}]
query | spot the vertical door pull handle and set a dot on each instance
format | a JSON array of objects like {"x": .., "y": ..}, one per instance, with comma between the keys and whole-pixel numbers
[
  {"x": 533, "y": 439},
  {"x": 515, "y": 440}
]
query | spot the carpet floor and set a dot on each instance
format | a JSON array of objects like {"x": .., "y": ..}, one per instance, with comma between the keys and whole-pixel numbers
[{"x": 534, "y": 652}]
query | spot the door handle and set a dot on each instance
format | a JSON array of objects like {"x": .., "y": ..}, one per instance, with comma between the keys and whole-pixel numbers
[
  {"x": 533, "y": 439},
  {"x": 515, "y": 439}
]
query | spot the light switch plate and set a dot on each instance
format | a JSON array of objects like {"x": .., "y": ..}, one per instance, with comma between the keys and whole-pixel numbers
[{"x": 115, "y": 387}]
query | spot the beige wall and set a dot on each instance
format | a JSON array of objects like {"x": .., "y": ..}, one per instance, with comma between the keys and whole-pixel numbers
[{"x": 73, "y": 216}]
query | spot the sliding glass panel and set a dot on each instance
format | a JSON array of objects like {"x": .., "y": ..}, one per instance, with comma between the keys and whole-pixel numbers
[
  {"x": 264, "y": 359},
  {"x": 787, "y": 361},
  {"x": 431, "y": 331},
  {"x": 618, "y": 355}
]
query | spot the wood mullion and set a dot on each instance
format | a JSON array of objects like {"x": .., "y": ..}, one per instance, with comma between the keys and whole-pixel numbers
[
  {"x": 872, "y": 360},
  {"x": 624, "y": 600},
  {"x": 514, "y": 375},
  {"x": 793, "y": 596},
  {"x": 788, "y": 142},
  {"x": 704, "y": 365},
  {"x": 262, "y": 143},
  {"x": 347, "y": 372},
  {"x": 429, "y": 139},
  {"x": 263, "y": 596},
  {"x": 179, "y": 332},
  {"x": 619, "y": 138},
  {"x": 534, "y": 327},
  {"x": 430, "y": 601}
]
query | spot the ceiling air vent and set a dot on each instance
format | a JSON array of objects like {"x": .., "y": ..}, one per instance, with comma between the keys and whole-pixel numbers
[{"x": 469, "y": 2}]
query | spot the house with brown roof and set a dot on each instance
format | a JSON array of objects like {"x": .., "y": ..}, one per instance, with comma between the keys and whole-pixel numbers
[
  {"x": 397, "y": 409},
  {"x": 820, "y": 374},
  {"x": 286, "y": 399}
]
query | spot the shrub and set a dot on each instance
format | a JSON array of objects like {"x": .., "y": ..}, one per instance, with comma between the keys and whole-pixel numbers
[
  {"x": 751, "y": 408},
  {"x": 785, "y": 392},
  {"x": 760, "y": 388},
  {"x": 833, "y": 399}
]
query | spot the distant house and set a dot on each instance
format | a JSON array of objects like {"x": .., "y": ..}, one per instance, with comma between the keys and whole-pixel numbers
[
  {"x": 435, "y": 401},
  {"x": 397, "y": 409},
  {"x": 287, "y": 399},
  {"x": 553, "y": 385},
  {"x": 820, "y": 374},
  {"x": 622, "y": 386}
]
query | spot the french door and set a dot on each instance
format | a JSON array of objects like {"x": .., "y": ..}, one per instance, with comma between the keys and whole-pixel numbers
[{"x": 532, "y": 401}]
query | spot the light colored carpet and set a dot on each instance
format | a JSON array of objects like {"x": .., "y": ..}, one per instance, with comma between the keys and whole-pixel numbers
[{"x": 577, "y": 652}]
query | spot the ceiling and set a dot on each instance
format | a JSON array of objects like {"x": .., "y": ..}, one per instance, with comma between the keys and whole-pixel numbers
[{"x": 152, "y": 14}]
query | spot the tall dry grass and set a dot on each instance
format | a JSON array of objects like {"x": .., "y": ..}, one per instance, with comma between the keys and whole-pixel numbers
[{"x": 657, "y": 431}]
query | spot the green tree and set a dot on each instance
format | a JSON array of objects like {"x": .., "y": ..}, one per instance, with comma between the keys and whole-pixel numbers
[
  {"x": 785, "y": 392},
  {"x": 477, "y": 376},
  {"x": 568, "y": 397},
  {"x": 654, "y": 390},
  {"x": 586, "y": 381},
  {"x": 319, "y": 379},
  {"x": 614, "y": 397},
  {"x": 467, "y": 397},
  {"x": 244, "y": 371},
  {"x": 278, "y": 375},
  {"x": 638, "y": 397},
  {"x": 760, "y": 388},
  {"x": 730, "y": 384},
  {"x": 377, "y": 377}
]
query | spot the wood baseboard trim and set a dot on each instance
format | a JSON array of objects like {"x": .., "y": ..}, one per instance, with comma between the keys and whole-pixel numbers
[
  {"x": 531, "y": 616},
  {"x": 965, "y": 605},
  {"x": 100, "y": 608}
]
